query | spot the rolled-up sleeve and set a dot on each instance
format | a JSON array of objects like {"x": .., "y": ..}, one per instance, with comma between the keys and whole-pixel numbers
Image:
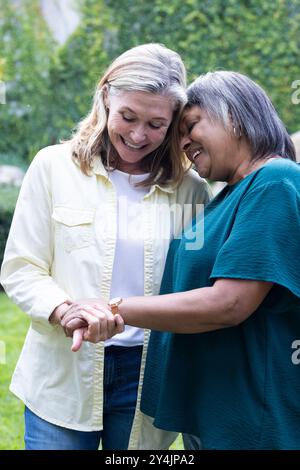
[
  {"x": 26, "y": 269},
  {"x": 264, "y": 241}
]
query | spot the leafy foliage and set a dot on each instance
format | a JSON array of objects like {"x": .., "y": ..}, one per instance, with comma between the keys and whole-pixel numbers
[
  {"x": 77, "y": 68},
  {"x": 8, "y": 199},
  {"x": 258, "y": 38},
  {"x": 50, "y": 88},
  {"x": 26, "y": 55}
]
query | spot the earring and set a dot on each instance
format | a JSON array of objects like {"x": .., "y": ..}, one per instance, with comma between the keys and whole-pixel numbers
[{"x": 236, "y": 133}]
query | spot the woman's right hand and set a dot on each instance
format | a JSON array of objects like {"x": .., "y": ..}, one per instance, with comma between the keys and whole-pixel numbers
[
  {"x": 59, "y": 312},
  {"x": 90, "y": 320}
]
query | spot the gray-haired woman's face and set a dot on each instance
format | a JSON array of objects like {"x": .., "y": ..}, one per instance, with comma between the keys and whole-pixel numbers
[{"x": 213, "y": 149}]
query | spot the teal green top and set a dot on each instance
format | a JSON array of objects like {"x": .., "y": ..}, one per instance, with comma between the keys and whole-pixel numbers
[{"x": 238, "y": 387}]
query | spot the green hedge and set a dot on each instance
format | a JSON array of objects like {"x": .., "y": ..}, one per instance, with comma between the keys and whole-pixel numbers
[
  {"x": 50, "y": 87},
  {"x": 259, "y": 38},
  {"x": 8, "y": 198},
  {"x": 26, "y": 56}
]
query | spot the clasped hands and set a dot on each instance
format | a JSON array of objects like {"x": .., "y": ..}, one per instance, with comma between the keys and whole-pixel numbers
[{"x": 89, "y": 320}]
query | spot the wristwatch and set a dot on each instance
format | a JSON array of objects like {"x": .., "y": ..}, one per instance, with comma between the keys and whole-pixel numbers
[{"x": 114, "y": 304}]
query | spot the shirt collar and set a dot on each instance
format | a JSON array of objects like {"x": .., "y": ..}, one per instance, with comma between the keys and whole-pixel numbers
[{"x": 99, "y": 169}]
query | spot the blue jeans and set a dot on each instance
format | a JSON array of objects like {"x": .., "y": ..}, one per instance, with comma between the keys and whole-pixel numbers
[{"x": 121, "y": 378}]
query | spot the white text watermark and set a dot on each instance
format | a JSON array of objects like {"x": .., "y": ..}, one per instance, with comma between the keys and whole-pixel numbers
[
  {"x": 2, "y": 92},
  {"x": 167, "y": 222},
  {"x": 296, "y": 94},
  {"x": 296, "y": 354},
  {"x": 2, "y": 353}
]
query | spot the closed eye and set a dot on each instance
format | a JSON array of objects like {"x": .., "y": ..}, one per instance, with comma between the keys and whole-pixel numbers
[
  {"x": 154, "y": 125},
  {"x": 186, "y": 127},
  {"x": 127, "y": 118},
  {"x": 190, "y": 126}
]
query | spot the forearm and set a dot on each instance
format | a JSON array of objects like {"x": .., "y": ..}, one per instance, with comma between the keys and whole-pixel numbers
[
  {"x": 33, "y": 290},
  {"x": 227, "y": 303},
  {"x": 26, "y": 269},
  {"x": 195, "y": 311}
]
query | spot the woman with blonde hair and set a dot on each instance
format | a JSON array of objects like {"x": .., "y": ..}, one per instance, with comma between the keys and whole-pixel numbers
[{"x": 94, "y": 220}]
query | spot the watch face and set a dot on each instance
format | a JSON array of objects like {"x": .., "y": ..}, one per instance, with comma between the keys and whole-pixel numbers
[{"x": 115, "y": 301}]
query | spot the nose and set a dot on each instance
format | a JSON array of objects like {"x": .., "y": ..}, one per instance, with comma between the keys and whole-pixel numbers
[
  {"x": 185, "y": 142},
  {"x": 138, "y": 135}
]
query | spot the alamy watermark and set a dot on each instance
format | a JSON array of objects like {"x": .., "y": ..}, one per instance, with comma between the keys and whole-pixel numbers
[
  {"x": 2, "y": 92},
  {"x": 296, "y": 354},
  {"x": 2, "y": 353},
  {"x": 171, "y": 221},
  {"x": 296, "y": 94}
]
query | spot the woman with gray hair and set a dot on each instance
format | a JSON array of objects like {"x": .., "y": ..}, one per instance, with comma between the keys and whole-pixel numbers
[
  {"x": 233, "y": 383},
  {"x": 94, "y": 219}
]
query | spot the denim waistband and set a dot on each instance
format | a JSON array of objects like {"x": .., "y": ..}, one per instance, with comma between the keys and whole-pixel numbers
[{"x": 122, "y": 349}]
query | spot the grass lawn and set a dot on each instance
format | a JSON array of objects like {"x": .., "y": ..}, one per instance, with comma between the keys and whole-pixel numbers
[{"x": 13, "y": 328}]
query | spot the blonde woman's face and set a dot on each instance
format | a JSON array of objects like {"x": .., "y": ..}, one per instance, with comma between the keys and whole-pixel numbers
[{"x": 137, "y": 125}]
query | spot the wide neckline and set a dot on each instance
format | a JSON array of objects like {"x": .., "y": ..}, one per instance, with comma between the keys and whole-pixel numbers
[
  {"x": 232, "y": 186},
  {"x": 135, "y": 176}
]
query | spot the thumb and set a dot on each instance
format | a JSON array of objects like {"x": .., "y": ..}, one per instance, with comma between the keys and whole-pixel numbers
[
  {"x": 119, "y": 322},
  {"x": 77, "y": 339}
]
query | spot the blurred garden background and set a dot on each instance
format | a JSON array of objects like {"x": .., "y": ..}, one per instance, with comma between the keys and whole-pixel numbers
[{"x": 53, "y": 52}]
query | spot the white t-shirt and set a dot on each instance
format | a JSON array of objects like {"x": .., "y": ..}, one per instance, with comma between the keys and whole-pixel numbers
[{"x": 128, "y": 268}]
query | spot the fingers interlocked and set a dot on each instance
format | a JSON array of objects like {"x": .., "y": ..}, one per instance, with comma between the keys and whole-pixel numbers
[{"x": 94, "y": 320}]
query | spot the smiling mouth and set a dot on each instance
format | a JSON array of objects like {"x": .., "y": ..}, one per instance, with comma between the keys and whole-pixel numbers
[
  {"x": 132, "y": 146},
  {"x": 195, "y": 154}
]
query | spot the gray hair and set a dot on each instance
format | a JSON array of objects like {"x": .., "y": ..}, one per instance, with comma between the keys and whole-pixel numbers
[{"x": 237, "y": 102}]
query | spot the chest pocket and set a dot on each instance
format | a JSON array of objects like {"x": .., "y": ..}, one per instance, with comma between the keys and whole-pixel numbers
[{"x": 74, "y": 227}]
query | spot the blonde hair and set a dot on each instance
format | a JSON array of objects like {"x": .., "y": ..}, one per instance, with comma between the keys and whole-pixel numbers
[{"x": 150, "y": 68}]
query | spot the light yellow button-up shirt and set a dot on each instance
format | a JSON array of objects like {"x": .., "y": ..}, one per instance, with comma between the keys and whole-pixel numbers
[{"x": 61, "y": 246}]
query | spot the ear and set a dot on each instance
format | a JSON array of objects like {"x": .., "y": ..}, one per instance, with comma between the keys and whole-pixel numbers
[
  {"x": 105, "y": 94},
  {"x": 236, "y": 129}
]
